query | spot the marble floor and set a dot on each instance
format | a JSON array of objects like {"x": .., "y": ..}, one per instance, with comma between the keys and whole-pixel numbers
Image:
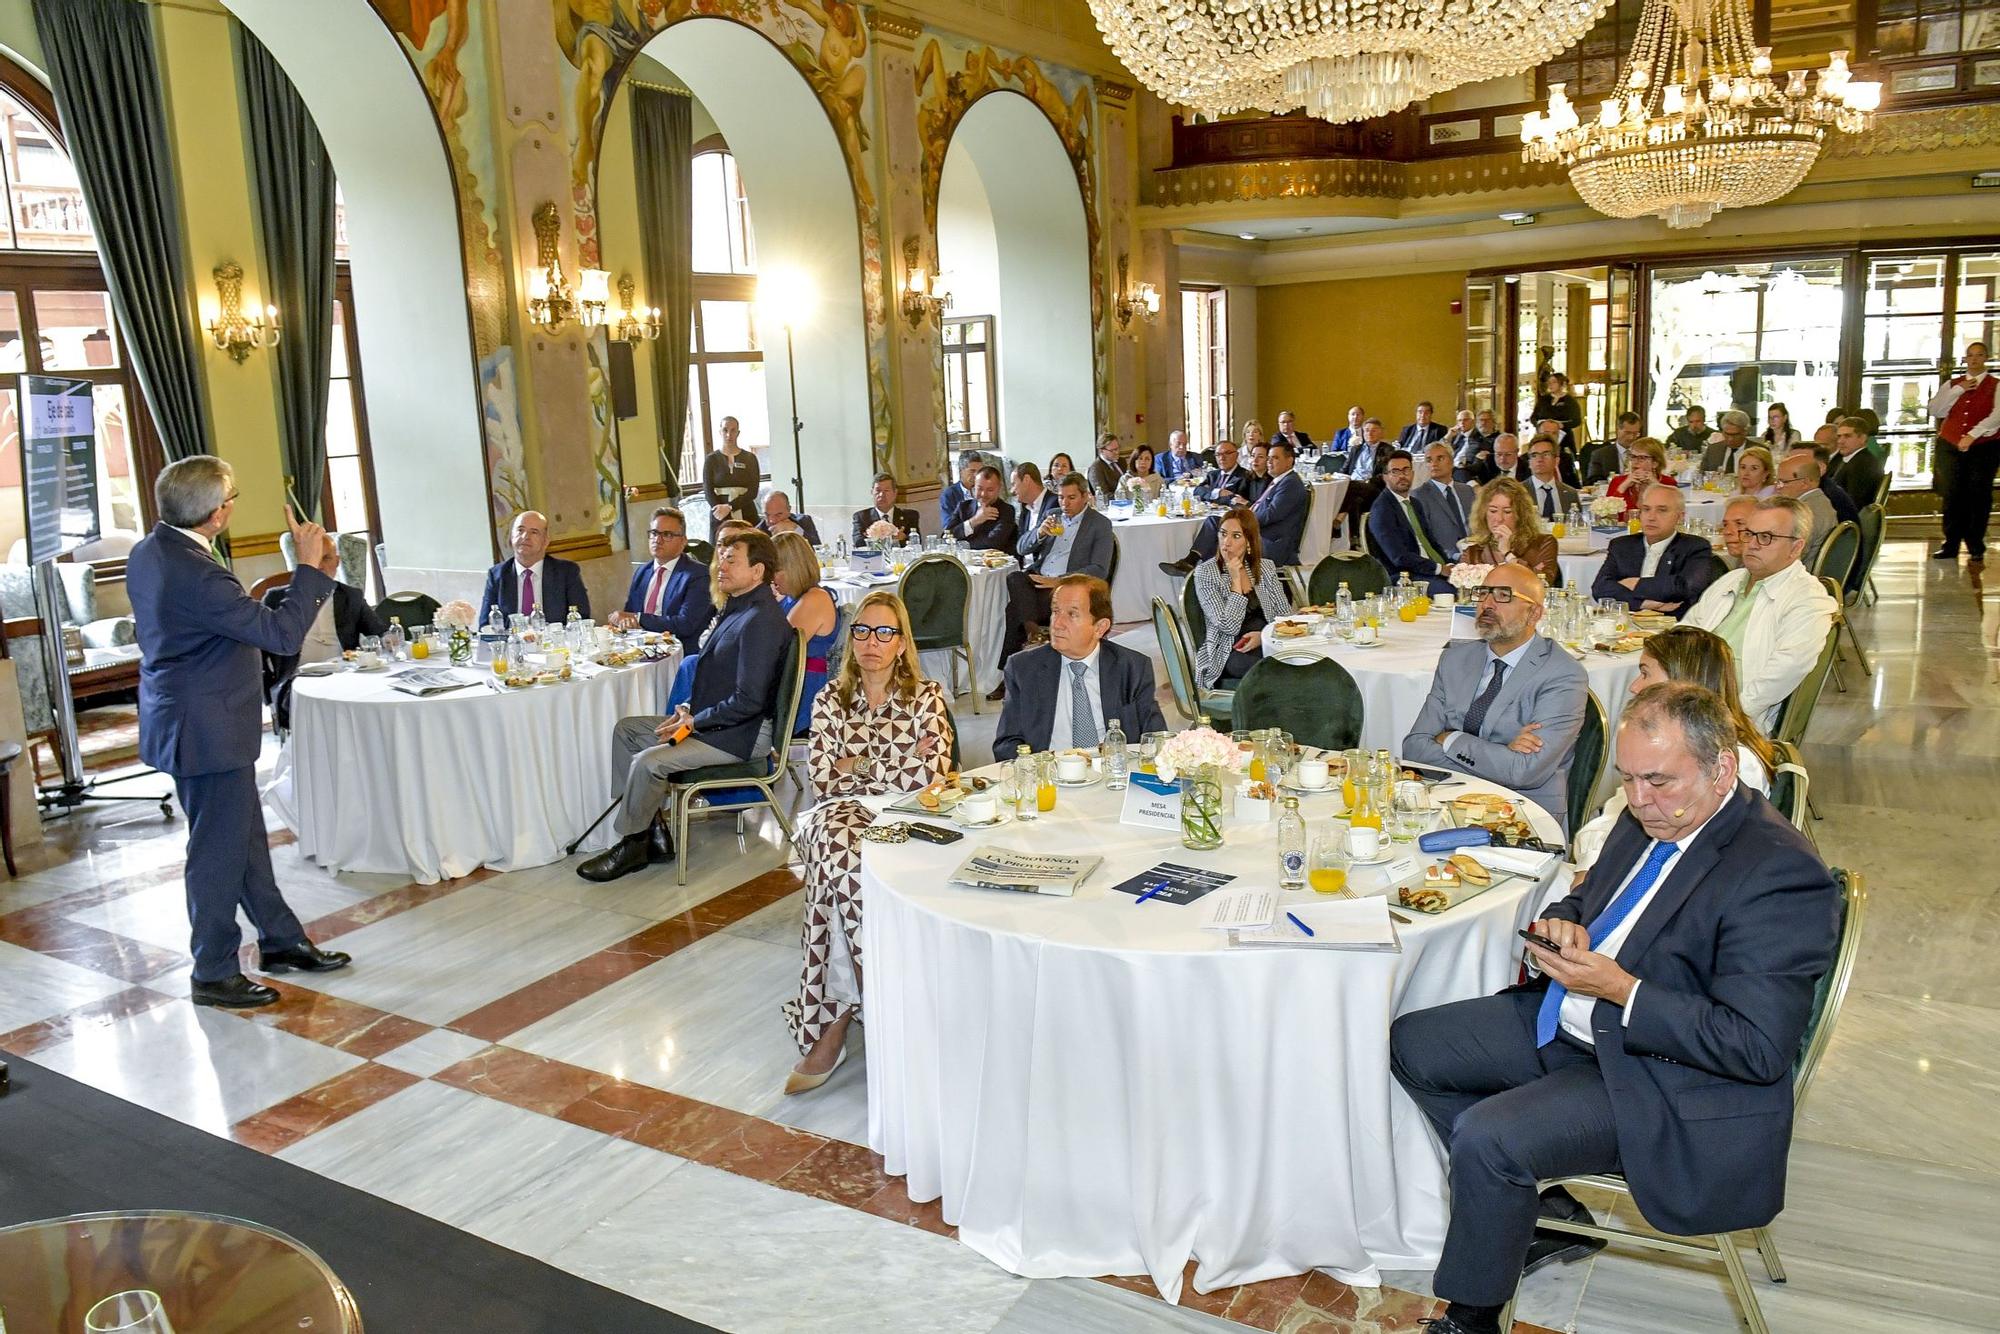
[{"x": 591, "y": 1075}]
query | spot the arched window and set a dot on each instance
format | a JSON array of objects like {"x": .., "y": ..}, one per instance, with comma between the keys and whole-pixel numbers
[
  {"x": 725, "y": 356},
  {"x": 55, "y": 315},
  {"x": 723, "y": 241}
]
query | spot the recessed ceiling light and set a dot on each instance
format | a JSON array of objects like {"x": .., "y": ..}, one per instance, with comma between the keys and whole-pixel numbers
[
  {"x": 1246, "y": 236},
  {"x": 1518, "y": 218}
]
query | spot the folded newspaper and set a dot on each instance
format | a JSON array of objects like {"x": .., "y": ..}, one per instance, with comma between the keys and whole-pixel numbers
[
  {"x": 430, "y": 681},
  {"x": 1024, "y": 872}
]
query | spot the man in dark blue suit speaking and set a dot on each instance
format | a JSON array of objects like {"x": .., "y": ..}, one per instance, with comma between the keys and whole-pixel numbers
[
  {"x": 531, "y": 580},
  {"x": 201, "y": 645},
  {"x": 669, "y": 593},
  {"x": 1659, "y": 1038}
]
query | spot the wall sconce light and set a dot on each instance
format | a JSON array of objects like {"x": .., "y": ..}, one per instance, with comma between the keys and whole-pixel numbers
[
  {"x": 637, "y": 323},
  {"x": 1142, "y": 302},
  {"x": 233, "y": 331},
  {"x": 550, "y": 302},
  {"x": 924, "y": 297}
]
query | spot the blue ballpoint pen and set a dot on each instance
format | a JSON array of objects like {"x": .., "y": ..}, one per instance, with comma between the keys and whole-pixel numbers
[
  {"x": 1160, "y": 888},
  {"x": 1294, "y": 919}
]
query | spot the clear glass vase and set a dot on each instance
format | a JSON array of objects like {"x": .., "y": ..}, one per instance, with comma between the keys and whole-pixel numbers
[{"x": 1201, "y": 808}]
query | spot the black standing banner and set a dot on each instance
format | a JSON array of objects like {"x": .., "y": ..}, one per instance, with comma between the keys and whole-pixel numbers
[{"x": 59, "y": 465}]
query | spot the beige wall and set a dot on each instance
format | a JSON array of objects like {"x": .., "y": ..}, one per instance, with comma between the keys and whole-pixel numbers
[{"x": 1381, "y": 342}]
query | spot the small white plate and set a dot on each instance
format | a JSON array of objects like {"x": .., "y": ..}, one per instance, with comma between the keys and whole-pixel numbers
[
  {"x": 1091, "y": 781},
  {"x": 378, "y": 667}
]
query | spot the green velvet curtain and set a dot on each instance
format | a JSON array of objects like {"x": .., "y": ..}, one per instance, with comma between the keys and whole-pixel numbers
[
  {"x": 107, "y": 89},
  {"x": 663, "y": 158},
  {"x": 294, "y": 188}
]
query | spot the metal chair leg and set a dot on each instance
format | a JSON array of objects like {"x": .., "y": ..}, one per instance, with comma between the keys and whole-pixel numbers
[
  {"x": 1732, "y": 1260},
  {"x": 1839, "y": 683},
  {"x": 1768, "y": 1248},
  {"x": 680, "y": 838},
  {"x": 1813, "y": 807},
  {"x": 1859, "y": 652},
  {"x": 971, "y": 677}
]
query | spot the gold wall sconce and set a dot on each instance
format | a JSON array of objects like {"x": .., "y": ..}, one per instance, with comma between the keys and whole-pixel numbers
[
  {"x": 551, "y": 304},
  {"x": 233, "y": 331},
  {"x": 1140, "y": 302},
  {"x": 635, "y": 323},
  {"x": 924, "y": 297}
]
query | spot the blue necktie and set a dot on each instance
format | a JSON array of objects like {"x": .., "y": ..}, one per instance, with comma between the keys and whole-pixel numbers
[
  {"x": 1607, "y": 922},
  {"x": 1475, "y": 717}
]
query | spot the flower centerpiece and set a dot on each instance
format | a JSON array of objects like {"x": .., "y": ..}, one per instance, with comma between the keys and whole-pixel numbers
[
  {"x": 881, "y": 535},
  {"x": 1465, "y": 577},
  {"x": 1199, "y": 757},
  {"x": 1607, "y": 512},
  {"x": 456, "y": 616}
]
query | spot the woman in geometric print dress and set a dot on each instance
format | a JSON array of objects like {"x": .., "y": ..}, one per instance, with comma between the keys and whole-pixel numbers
[{"x": 878, "y": 727}]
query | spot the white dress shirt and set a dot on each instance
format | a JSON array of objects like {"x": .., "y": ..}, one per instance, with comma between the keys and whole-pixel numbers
[
  {"x": 1513, "y": 661},
  {"x": 1947, "y": 396},
  {"x": 1654, "y": 550},
  {"x": 322, "y": 642},
  {"x": 521, "y": 573},
  {"x": 1554, "y": 510},
  {"x": 1589, "y": 841},
  {"x": 1783, "y": 638},
  {"x": 1574, "y": 1016},
  {"x": 1060, "y": 729}
]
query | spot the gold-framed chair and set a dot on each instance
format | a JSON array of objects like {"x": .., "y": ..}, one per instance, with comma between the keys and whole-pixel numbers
[
  {"x": 761, "y": 773},
  {"x": 937, "y": 592},
  {"x": 1190, "y": 700},
  {"x": 1828, "y": 996}
]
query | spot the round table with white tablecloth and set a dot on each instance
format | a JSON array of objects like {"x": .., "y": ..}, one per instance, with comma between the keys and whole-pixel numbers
[
  {"x": 435, "y": 788},
  {"x": 1707, "y": 506},
  {"x": 985, "y": 618},
  {"x": 1580, "y": 562},
  {"x": 1395, "y": 677},
  {"x": 1096, "y": 1086},
  {"x": 1144, "y": 540}
]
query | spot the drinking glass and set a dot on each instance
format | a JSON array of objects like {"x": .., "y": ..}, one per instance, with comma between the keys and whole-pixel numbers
[
  {"x": 135, "y": 1312},
  {"x": 1045, "y": 786},
  {"x": 1327, "y": 871},
  {"x": 1353, "y": 774},
  {"x": 1149, "y": 750},
  {"x": 1412, "y": 811}
]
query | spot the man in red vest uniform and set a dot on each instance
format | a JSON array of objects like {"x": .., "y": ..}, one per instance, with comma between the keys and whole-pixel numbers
[{"x": 1969, "y": 422}]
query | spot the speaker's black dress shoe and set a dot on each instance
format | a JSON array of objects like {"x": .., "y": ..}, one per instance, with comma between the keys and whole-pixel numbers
[
  {"x": 1448, "y": 1323},
  {"x": 997, "y": 693},
  {"x": 659, "y": 844},
  {"x": 628, "y": 854},
  {"x": 305, "y": 958},
  {"x": 1177, "y": 567},
  {"x": 1947, "y": 552},
  {"x": 235, "y": 992},
  {"x": 1551, "y": 1247}
]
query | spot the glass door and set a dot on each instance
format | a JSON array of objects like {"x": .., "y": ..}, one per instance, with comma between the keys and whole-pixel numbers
[
  {"x": 1484, "y": 303},
  {"x": 1205, "y": 365}
]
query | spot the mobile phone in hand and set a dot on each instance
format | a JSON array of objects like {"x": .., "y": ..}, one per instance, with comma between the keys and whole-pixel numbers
[{"x": 1535, "y": 939}]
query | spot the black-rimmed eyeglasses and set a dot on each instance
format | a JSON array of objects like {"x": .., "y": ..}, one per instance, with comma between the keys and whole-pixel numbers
[
  {"x": 1493, "y": 593},
  {"x": 1758, "y": 537},
  {"x": 659, "y": 536},
  {"x": 882, "y": 633}
]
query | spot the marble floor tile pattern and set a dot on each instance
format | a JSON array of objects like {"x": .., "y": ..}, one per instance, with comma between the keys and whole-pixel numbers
[{"x": 591, "y": 1074}]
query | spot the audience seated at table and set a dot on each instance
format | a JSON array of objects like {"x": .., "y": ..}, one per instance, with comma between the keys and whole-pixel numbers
[
  {"x": 1551, "y": 429},
  {"x": 985, "y": 522},
  {"x": 1773, "y": 612},
  {"x": 956, "y": 493},
  {"x": 809, "y": 607},
  {"x": 884, "y": 510},
  {"x": 1289, "y": 432},
  {"x": 1257, "y": 458},
  {"x": 1731, "y": 438},
  {"x": 1505, "y": 530},
  {"x": 1078, "y": 540},
  {"x": 1698, "y": 656},
  {"x": 1606, "y": 461},
  {"x": 1281, "y": 516},
  {"x": 1658, "y": 568},
  {"x": 730, "y": 708},
  {"x": 1060, "y": 466},
  {"x": 1645, "y": 464},
  {"x": 1505, "y": 461},
  {"x": 1240, "y": 593},
  {"x": 1106, "y": 472},
  {"x": 1735, "y": 512},
  {"x": 1230, "y": 482},
  {"x": 1473, "y": 450},
  {"x": 1421, "y": 434},
  {"x": 1445, "y": 502},
  {"x": 1853, "y": 465},
  {"x": 669, "y": 594},
  {"x": 342, "y": 620},
  {"x": 1692, "y": 433},
  {"x": 779, "y": 518},
  {"x": 1756, "y": 472},
  {"x": 1064, "y": 694},
  {"x": 1366, "y": 458},
  {"x": 880, "y": 727},
  {"x": 1658, "y": 1040},
  {"x": 531, "y": 580},
  {"x": 1177, "y": 462},
  {"x": 1798, "y": 477},
  {"x": 1506, "y": 707},
  {"x": 1552, "y": 497},
  {"x": 1141, "y": 482},
  {"x": 1033, "y": 502},
  {"x": 1779, "y": 435},
  {"x": 1347, "y": 436},
  {"x": 1844, "y": 508},
  {"x": 1396, "y": 532}
]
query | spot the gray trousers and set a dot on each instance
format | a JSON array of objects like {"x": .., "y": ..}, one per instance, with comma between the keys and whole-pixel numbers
[{"x": 646, "y": 769}]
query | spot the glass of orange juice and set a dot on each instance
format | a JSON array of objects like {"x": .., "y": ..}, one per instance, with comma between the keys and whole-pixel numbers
[
  {"x": 1045, "y": 784},
  {"x": 1327, "y": 871},
  {"x": 1354, "y": 768},
  {"x": 1560, "y": 529}
]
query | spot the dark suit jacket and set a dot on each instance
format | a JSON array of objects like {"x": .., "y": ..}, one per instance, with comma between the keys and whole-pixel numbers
[
  {"x": 1417, "y": 438},
  {"x": 805, "y": 523},
  {"x": 997, "y": 534},
  {"x": 685, "y": 607},
  {"x": 1844, "y": 508},
  {"x": 201, "y": 646},
  {"x": 1601, "y": 463},
  {"x": 1170, "y": 467},
  {"x": 949, "y": 500},
  {"x": 1860, "y": 476},
  {"x": 1300, "y": 440},
  {"x": 736, "y": 673},
  {"x": 560, "y": 589},
  {"x": 1565, "y": 497},
  {"x": 1104, "y": 477},
  {"x": 1687, "y": 567},
  {"x": 1727, "y": 955},
  {"x": 1395, "y": 544},
  {"x": 864, "y": 519},
  {"x": 352, "y": 618},
  {"x": 1235, "y": 481},
  {"x": 1028, "y": 519},
  {"x": 1281, "y": 517},
  {"x": 1125, "y": 688}
]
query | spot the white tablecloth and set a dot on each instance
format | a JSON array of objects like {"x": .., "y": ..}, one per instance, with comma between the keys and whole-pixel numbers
[
  {"x": 1143, "y": 542},
  {"x": 1095, "y": 1087},
  {"x": 1579, "y": 567},
  {"x": 1707, "y": 506},
  {"x": 1320, "y": 519},
  {"x": 437, "y": 788},
  {"x": 985, "y": 614},
  {"x": 1395, "y": 678}
]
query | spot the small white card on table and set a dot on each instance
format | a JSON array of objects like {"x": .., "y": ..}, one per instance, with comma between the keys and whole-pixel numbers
[{"x": 1152, "y": 804}]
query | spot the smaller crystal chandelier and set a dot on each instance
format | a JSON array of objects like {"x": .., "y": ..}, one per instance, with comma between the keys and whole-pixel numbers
[
  {"x": 1141, "y": 302},
  {"x": 637, "y": 323},
  {"x": 550, "y": 303},
  {"x": 1697, "y": 123}
]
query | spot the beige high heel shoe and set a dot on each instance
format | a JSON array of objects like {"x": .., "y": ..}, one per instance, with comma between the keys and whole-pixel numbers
[{"x": 796, "y": 1082}]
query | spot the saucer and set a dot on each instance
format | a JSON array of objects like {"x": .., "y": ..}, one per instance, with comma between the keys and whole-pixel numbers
[
  {"x": 1000, "y": 817},
  {"x": 378, "y": 667},
  {"x": 1091, "y": 781},
  {"x": 1332, "y": 785}
]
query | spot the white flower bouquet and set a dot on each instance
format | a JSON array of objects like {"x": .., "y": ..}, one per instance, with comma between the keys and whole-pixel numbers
[
  {"x": 881, "y": 531},
  {"x": 1607, "y": 510},
  {"x": 1466, "y": 576},
  {"x": 456, "y": 614},
  {"x": 1195, "y": 748}
]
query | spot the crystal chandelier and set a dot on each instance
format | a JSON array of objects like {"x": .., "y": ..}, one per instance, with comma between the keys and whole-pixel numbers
[
  {"x": 1339, "y": 59},
  {"x": 1697, "y": 123}
]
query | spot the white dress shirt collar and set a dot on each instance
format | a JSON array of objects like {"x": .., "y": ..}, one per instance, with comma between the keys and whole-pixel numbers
[{"x": 204, "y": 542}]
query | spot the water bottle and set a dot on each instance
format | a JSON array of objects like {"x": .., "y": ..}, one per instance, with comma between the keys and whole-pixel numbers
[
  {"x": 1291, "y": 847},
  {"x": 392, "y": 638},
  {"x": 1343, "y": 605},
  {"x": 1117, "y": 760},
  {"x": 1027, "y": 778},
  {"x": 492, "y": 639},
  {"x": 1577, "y": 523},
  {"x": 574, "y": 619}
]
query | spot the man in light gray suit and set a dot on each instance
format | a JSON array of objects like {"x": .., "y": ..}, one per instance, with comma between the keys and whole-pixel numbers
[
  {"x": 1507, "y": 708},
  {"x": 1446, "y": 505},
  {"x": 1077, "y": 540}
]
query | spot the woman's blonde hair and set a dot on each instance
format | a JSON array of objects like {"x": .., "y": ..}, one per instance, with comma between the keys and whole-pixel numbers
[
  {"x": 1527, "y": 524},
  {"x": 1647, "y": 446},
  {"x": 1252, "y": 424},
  {"x": 1763, "y": 456},
  {"x": 798, "y": 564},
  {"x": 908, "y": 671}
]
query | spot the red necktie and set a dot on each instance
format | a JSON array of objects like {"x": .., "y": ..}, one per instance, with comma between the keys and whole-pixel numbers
[
  {"x": 527, "y": 592},
  {"x": 655, "y": 590}
]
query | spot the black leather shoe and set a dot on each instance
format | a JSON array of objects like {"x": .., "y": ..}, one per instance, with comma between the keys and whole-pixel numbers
[
  {"x": 997, "y": 693},
  {"x": 1945, "y": 553},
  {"x": 235, "y": 992},
  {"x": 305, "y": 958},
  {"x": 1450, "y": 1324},
  {"x": 1176, "y": 568},
  {"x": 1551, "y": 1247},
  {"x": 627, "y": 855},
  {"x": 659, "y": 844}
]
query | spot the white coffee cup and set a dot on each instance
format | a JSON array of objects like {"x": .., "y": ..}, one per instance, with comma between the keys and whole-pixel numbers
[
  {"x": 1073, "y": 768},
  {"x": 1364, "y": 843},
  {"x": 1443, "y": 601},
  {"x": 1313, "y": 773},
  {"x": 367, "y": 660},
  {"x": 1364, "y": 634},
  {"x": 979, "y": 807}
]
